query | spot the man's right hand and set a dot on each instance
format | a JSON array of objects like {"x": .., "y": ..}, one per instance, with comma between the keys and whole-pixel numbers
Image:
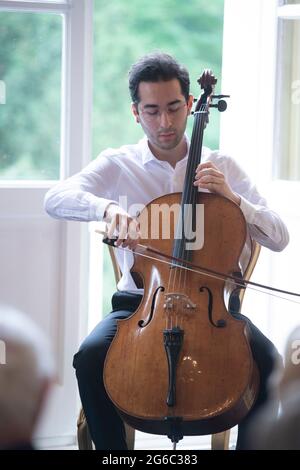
[{"x": 127, "y": 228}]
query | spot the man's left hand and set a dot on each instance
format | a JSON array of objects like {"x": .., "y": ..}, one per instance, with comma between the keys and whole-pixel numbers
[{"x": 208, "y": 176}]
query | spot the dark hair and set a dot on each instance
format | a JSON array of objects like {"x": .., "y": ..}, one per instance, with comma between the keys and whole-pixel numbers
[{"x": 156, "y": 67}]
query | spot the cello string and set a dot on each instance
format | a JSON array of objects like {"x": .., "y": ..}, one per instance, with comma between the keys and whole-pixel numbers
[
  {"x": 192, "y": 191},
  {"x": 192, "y": 157},
  {"x": 178, "y": 276},
  {"x": 168, "y": 290},
  {"x": 187, "y": 200},
  {"x": 176, "y": 273},
  {"x": 188, "y": 184}
]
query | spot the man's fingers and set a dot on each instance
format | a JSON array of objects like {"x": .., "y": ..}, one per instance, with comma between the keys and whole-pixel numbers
[
  {"x": 209, "y": 179},
  {"x": 123, "y": 227},
  {"x": 209, "y": 172},
  {"x": 134, "y": 229},
  {"x": 131, "y": 244},
  {"x": 205, "y": 165},
  {"x": 127, "y": 228},
  {"x": 112, "y": 227}
]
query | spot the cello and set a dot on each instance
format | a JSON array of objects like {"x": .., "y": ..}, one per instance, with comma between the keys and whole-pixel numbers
[{"x": 187, "y": 367}]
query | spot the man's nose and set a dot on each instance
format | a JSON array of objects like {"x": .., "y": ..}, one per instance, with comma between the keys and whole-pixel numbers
[{"x": 165, "y": 119}]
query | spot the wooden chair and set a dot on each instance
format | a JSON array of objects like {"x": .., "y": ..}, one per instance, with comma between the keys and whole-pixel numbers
[{"x": 219, "y": 441}]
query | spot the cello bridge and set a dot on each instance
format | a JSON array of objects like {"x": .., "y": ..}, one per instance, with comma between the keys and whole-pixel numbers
[{"x": 175, "y": 299}]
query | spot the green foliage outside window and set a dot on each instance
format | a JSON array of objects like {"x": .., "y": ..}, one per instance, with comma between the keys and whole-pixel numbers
[{"x": 30, "y": 67}]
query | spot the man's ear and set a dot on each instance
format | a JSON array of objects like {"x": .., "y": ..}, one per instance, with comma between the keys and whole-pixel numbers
[
  {"x": 190, "y": 103},
  {"x": 135, "y": 112}
]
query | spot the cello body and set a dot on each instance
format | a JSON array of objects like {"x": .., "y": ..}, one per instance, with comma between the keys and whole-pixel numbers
[{"x": 181, "y": 364}]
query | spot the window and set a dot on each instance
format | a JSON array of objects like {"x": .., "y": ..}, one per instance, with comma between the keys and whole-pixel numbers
[
  {"x": 287, "y": 120},
  {"x": 32, "y": 66},
  {"x": 42, "y": 104},
  {"x": 30, "y": 95}
]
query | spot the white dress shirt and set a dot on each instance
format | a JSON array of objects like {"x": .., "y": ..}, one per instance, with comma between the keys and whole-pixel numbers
[{"x": 132, "y": 176}]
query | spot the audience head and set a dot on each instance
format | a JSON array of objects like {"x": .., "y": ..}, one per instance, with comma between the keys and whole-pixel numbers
[{"x": 26, "y": 371}]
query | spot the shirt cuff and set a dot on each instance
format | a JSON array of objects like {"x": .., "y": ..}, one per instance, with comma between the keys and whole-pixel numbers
[
  {"x": 101, "y": 207},
  {"x": 249, "y": 210}
]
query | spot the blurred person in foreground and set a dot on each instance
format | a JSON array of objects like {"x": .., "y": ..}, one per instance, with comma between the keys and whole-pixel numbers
[
  {"x": 271, "y": 430},
  {"x": 26, "y": 373}
]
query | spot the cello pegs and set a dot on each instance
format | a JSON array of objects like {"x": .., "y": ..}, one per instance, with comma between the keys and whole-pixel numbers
[{"x": 221, "y": 105}]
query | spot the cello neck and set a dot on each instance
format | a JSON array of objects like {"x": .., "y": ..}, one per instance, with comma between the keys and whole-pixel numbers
[{"x": 186, "y": 225}]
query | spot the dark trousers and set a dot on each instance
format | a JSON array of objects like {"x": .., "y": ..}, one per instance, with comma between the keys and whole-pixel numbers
[{"x": 105, "y": 425}]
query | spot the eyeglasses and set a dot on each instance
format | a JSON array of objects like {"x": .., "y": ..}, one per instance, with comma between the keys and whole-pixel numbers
[{"x": 152, "y": 112}]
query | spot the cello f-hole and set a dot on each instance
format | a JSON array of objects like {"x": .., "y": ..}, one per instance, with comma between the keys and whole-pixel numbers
[
  {"x": 143, "y": 323},
  {"x": 220, "y": 323}
]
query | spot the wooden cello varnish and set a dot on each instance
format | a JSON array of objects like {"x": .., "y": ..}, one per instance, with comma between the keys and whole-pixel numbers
[{"x": 181, "y": 364}]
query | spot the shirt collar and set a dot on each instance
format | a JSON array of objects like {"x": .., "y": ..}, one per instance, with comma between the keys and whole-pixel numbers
[{"x": 147, "y": 155}]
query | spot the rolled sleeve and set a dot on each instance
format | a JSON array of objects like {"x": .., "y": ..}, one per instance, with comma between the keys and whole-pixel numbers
[
  {"x": 86, "y": 195},
  {"x": 265, "y": 226}
]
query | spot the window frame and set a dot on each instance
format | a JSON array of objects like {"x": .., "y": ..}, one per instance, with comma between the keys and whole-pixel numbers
[
  {"x": 36, "y": 6},
  {"x": 253, "y": 86},
  {"x": 285, "y": 47},
  {"x": 76, "y": 83}
]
